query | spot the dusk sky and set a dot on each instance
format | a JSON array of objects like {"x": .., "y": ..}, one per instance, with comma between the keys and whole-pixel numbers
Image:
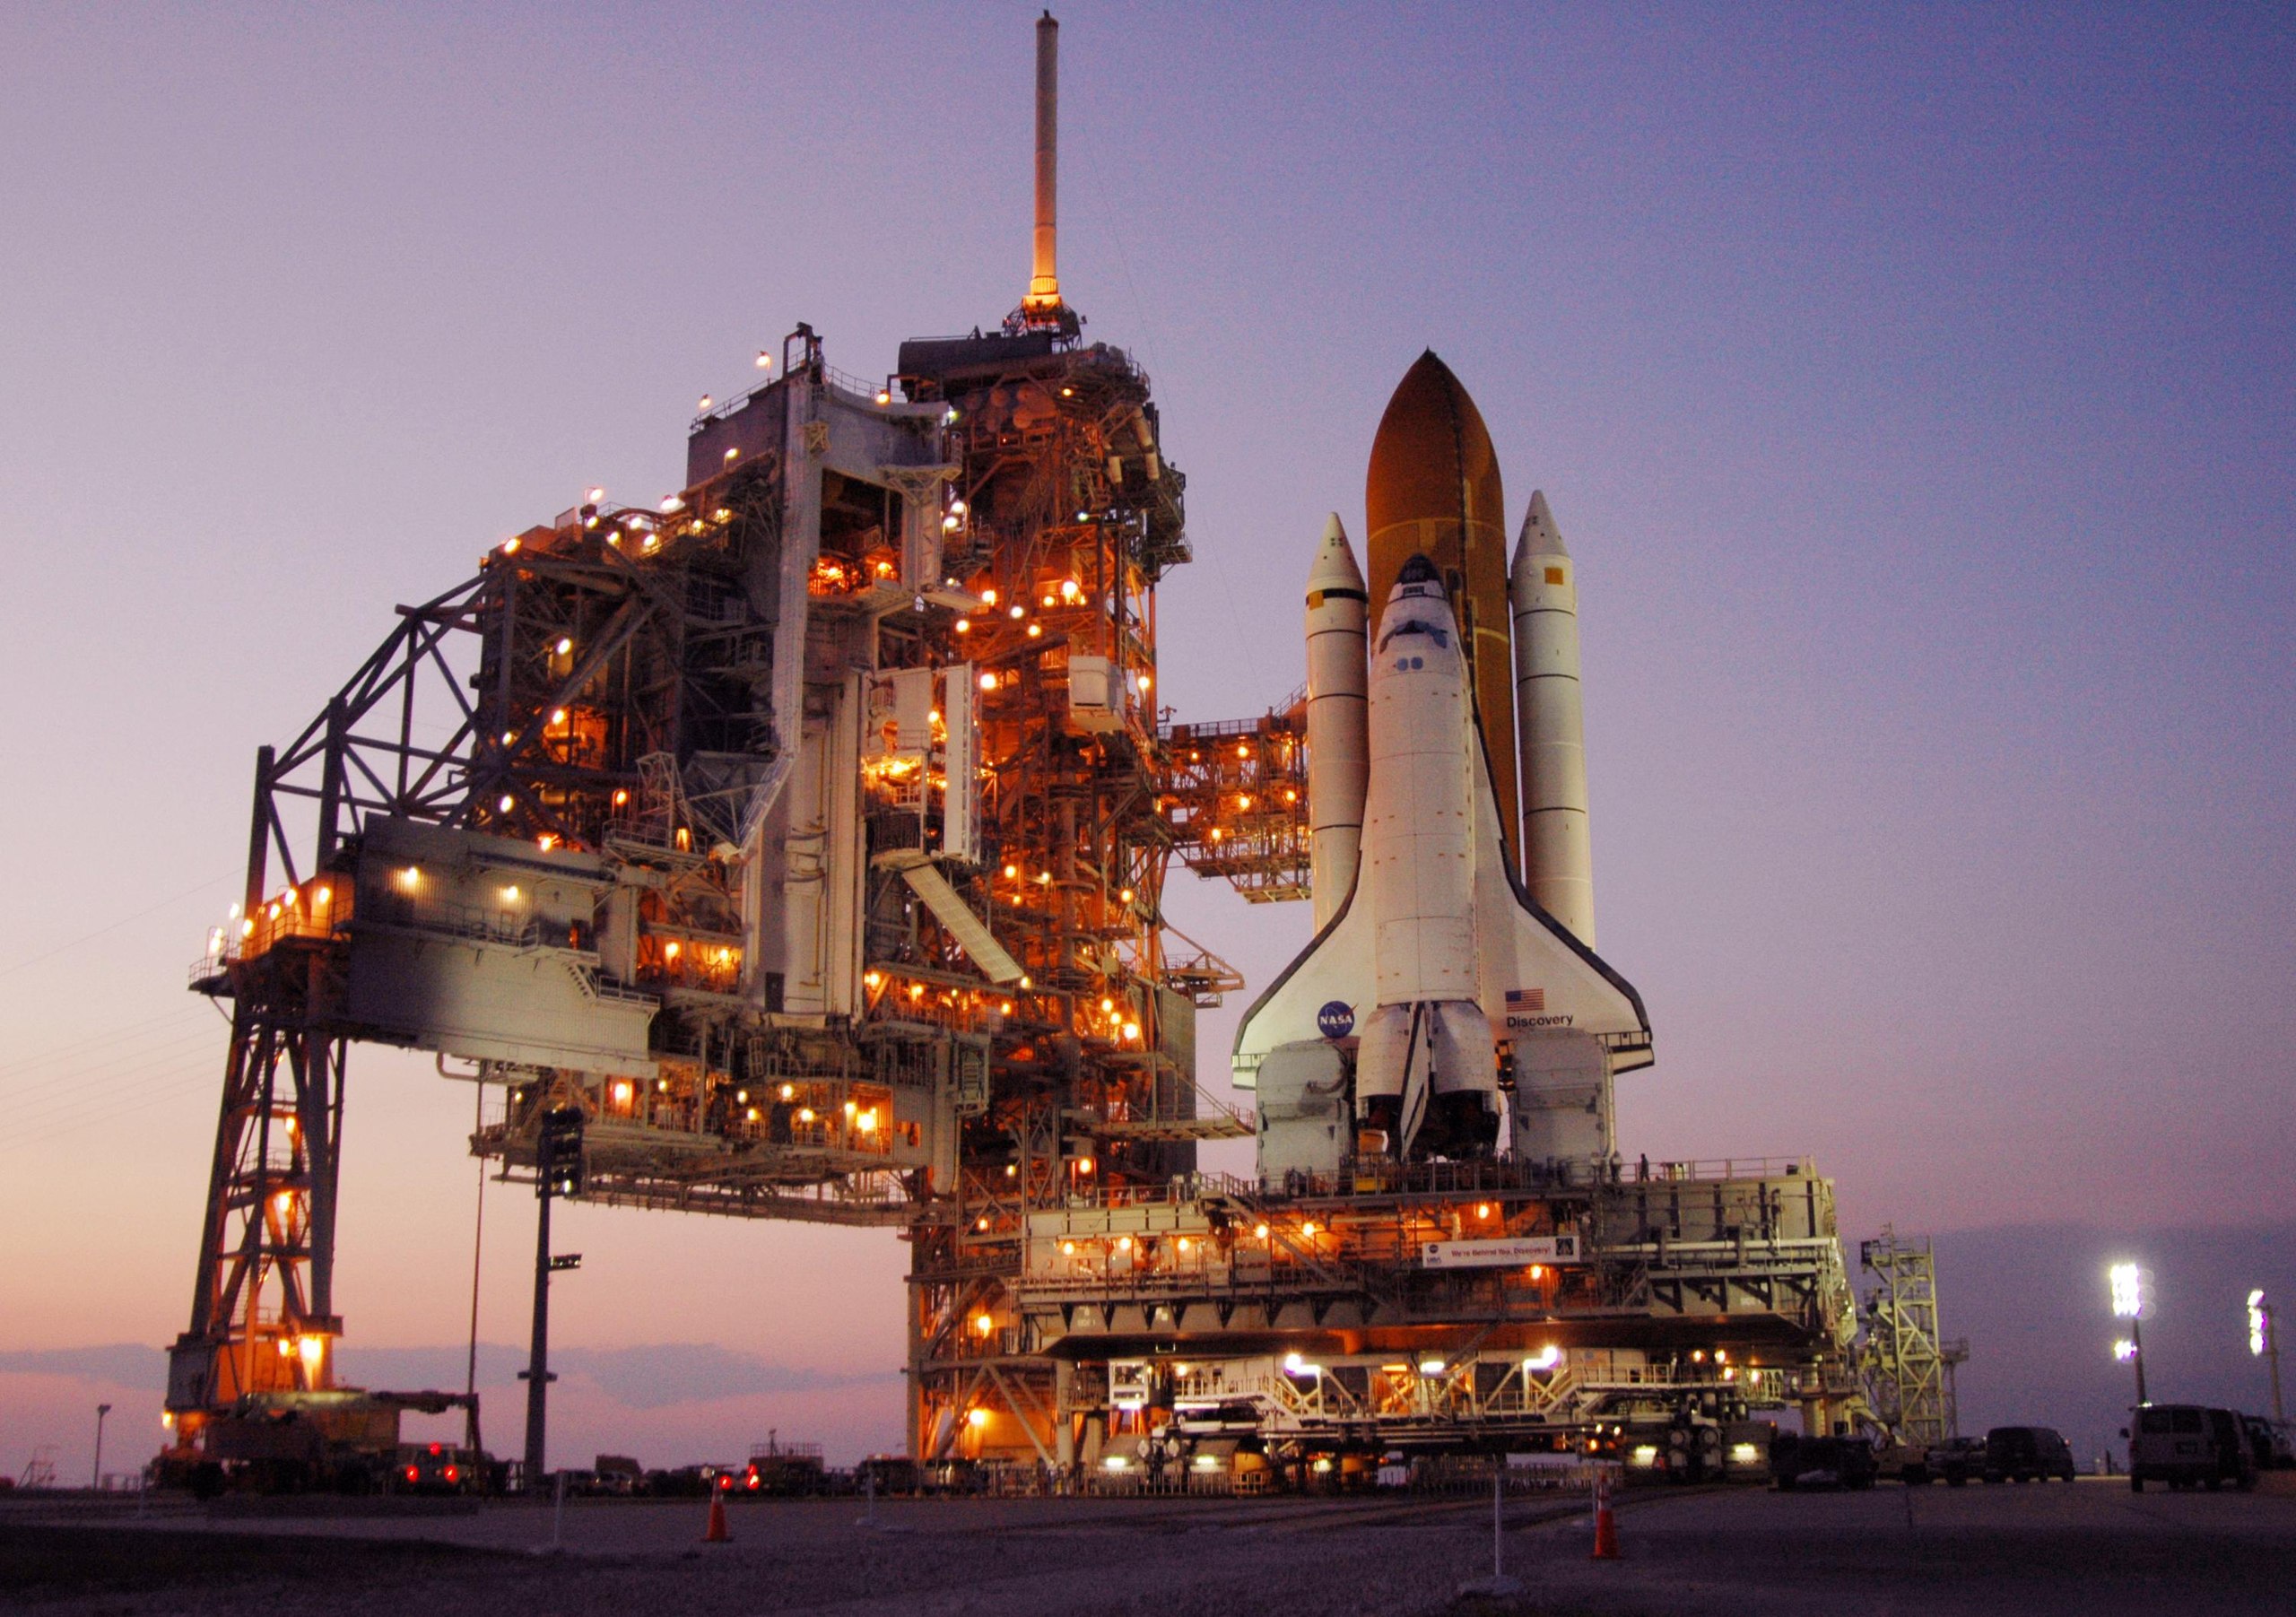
[{"x": 1916, "y": 388}]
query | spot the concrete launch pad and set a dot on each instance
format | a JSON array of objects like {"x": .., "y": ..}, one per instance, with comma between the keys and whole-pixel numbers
[{"x": 2089, "y": 1548}]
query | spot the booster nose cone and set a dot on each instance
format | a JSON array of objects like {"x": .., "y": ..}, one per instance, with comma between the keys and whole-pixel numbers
[
  {"x": 1334, "y": 571},
  {"x": 1540, "y": 536}
]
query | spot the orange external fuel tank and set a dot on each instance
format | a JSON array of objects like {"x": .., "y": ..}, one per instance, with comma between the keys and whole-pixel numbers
[{"x": 1433, "y": 489}]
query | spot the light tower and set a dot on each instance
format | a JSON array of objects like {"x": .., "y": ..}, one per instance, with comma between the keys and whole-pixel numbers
[
  {"x": 2129, "y": 1283},
  {"x": 2262, "y": 1344}
]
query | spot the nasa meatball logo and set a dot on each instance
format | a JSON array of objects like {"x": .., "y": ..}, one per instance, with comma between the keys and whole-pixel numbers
[{"x": 1336, "y": 1020}]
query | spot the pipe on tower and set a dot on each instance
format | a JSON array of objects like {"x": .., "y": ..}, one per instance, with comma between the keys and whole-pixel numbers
[{"x": 1043, "y": 278}]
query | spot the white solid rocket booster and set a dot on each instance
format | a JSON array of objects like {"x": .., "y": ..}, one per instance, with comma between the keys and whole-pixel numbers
[
  {"x": 1338, "y": 750},
  {"x": 1558, "y": 858},
  {"x": 1428, "y": 1040}
]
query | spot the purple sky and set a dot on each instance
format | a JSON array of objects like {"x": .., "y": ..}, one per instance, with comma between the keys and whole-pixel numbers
[{"x": 1915, "y": 391}]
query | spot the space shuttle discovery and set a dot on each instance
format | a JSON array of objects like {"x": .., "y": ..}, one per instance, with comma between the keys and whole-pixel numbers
[{"x": 1443, "y": 1010}]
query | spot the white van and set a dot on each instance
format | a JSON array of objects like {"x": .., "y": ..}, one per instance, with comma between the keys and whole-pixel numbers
[{"x": 2182, "y": 1444}]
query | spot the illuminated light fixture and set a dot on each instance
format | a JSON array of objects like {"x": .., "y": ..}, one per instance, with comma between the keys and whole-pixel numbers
[
  {"x": 1483, "y": 1210},
  {"x": 1046, "y": 602},
  {"x": 671, "y": 950},
  {"x": 1244, "y": 802},
  {"x": 510, "y": 894},
  {"x": 1011, "y": 1170},
  {"x": 510, "y": 546},
  {"x": 1044, "y": 878},
  {"x": 984, "y": 1323},
  {"x": 867, "y": 1121},
  {"x": 1123, "y": 1243},
  {"x": 976, "y": 1417},
  {"x": 2126, "y": 1282},
  {"x": 873, "y": 978},
  {"x": 1431, "y": 1366},
  {"x": 981, "y": 1222},
  {"x": 671, "y": 506},
  {"x": 1721, "y": 1355},
  {"x": 621, "y": 1092},
  {"x": 964, "y": 626},
  {"x": 958, "y": 506},
  {"x": 764, "y": 360},
  {"x": 507, "y": 803},
  {"x": 1291, "y": 796},
  {"x": 1085, "y": 1165},
  {"x": 1005, "y": 1009},
  {"x": 1025, "y": 983},
  {"x": 1260, "y": 1230},
  {"x": 950, "y": 524},
  {"x": 1125, "y": 897},
  {"x": 730, "y": 454},
  {"x": 1115, "y": 1462},
  {"x": 546, "y": 841},
  {"x": 1068, "y": 1249},
  {"x": 565, "y": 645},
  {"x": 508, "y": 736},
  {"x": 1131, "y": 1031},
  {"x": 885, "y": 396},
  {"x": 661, "y": 1086},
  {"x": 2260, "y": 1325},
  {"x": 558, "y": 716},
  {"x": 1184, "y": 1243},
  {"x": 1545, "y": 1359},
  {"x": 988, "y": 597},
  {"x": 706, "y": 401},
  {"x": 1646, "y": 1455},
  {"x": 1146, "y": 683},
  {"x": 1214, "y": 834},
  {"x": 805, "y": 1114},
  {"x": 852, "y": 1106},
  {"x": 1011, "y": 870},
  {"x": 1070, "y": 590},
  {"x": 752, "y": 1114},
  {"x": 1310, "y": 1229},
  {"x": 2123, "y": 1351},
  {"x": 597, "y": 495},
  {"x": 788, "y": 1091},
  {"x": 1016, "y": 611},
  {"x": 742, "y": 1096},
  {"x": 989, "y": 682},
  {"x": 1295, "y": 1365},
  {"x": 1108, "y": 1005}
]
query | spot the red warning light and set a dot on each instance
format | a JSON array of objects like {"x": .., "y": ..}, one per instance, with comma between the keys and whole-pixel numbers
[{"x": 453, "y": 1474}]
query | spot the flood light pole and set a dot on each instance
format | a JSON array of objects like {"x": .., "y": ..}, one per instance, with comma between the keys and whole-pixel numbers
[
  {"x": 96, "y": 1479},
  {"x": 2264, "y": 1346},
  {"x": 2127, "y": 1283}
]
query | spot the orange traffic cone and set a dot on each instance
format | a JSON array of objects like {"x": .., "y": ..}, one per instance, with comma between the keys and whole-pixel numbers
[
  {"x": 715, "y": 1533},
  {"x": 1605, "y": 1523}
]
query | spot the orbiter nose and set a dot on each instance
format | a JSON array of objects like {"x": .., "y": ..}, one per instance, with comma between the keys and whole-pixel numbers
[{"x": 1419, "y": 569}]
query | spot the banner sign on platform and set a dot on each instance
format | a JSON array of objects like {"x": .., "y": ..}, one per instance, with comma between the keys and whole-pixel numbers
[{"x": 1512, "y": 1252}]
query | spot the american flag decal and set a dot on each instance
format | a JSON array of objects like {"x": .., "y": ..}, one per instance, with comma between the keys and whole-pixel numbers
[{"x": 1526, "y": 999}]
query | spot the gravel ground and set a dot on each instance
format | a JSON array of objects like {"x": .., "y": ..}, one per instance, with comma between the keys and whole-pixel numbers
[{"x": 2019, "y": 1552}]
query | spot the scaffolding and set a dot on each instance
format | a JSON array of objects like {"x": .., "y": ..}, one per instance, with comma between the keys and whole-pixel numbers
[{"x": 1906, "y": 1366}]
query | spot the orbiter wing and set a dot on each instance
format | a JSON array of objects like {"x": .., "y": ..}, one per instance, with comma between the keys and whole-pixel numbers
[{"x": 1534, "y": 976}]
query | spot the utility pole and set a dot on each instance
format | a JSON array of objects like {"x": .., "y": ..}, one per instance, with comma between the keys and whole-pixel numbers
[
  {"x": 558, "y": 1172},
  {"x": 96, "y": 1477}
]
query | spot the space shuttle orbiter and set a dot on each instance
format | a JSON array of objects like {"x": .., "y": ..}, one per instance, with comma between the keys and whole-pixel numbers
[{"x": 1436, "y": 983}]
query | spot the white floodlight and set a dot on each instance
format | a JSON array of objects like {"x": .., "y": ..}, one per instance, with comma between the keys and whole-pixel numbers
[
  {"x": 2127, "y": 1281},
  {"x": 2260, "y": 1325},
  {"x": 2123, "y": 1351}
]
